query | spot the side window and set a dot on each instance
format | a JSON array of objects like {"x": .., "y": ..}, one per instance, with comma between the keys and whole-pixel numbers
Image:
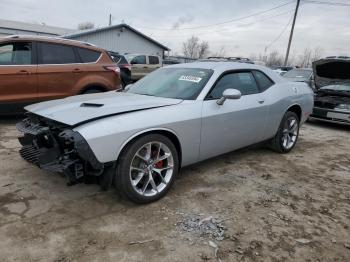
[
  {"x": 87, "y": 55},
  {"x": 17, "y": 53},
  {"x": 141, "y": 59},
  {"x": 153, "y": 60},
  {"x": 263, "y": 81},
  {"x": 243, "y": 81},
  {"x": 56, "y": 54}
]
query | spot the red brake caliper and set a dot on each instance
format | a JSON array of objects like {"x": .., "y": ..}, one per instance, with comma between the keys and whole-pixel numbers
[{"x": 159, "y": 164}]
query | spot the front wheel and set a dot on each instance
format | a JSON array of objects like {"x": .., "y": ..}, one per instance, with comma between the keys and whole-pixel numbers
[
  {"x": 287, "y": 134},
  {"x": 147, "y": 168}
]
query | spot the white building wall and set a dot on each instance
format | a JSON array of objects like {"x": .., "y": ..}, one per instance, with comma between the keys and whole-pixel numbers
[{"x": 122, "y": 41}]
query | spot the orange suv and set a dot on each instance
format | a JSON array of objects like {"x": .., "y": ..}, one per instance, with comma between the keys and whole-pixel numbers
[{"x": 34, "y": 69}]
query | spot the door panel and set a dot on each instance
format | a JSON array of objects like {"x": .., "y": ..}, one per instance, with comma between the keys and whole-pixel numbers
[
  {"x": 139, "y": 67},
  {"x": 58, "y": 70},
  {"x": 18, "y": 86},
  {"x": 235, "y": 124},
  {"x": 57, "y": 81}
]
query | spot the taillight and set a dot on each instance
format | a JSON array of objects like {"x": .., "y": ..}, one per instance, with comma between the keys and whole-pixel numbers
[
  {"x": 115, "y": 69},
  {"x": 128, "y": 66}
]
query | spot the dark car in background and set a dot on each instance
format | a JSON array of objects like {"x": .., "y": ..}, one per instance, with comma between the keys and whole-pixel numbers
[
  {"x": 332, "y": 93},
  {"x": 125, "y": 67},
  {"x": 300, "y": 75},
  {"x": 34, "y": 69}
]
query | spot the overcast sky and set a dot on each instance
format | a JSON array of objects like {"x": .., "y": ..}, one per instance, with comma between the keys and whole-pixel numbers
[{"x": 166, "y": 21}]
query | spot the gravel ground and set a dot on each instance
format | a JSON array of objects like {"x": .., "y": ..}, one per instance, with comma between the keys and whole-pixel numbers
[{"x": 249, "y": 205}]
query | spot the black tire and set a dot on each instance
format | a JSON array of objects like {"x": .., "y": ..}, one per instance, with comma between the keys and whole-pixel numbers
[
  {"x": 122, "y": 180},
  {"x": 92, "y": 91},
  {"x": 277, "y": 143}
]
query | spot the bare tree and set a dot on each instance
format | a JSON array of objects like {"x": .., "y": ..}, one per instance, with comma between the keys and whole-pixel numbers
[
  {"x": 193, "y": 48},
  {"x": 274, "y": 58},
  {"x": 316, "y": 54},
  {"x": 220, "y": 53},
  {"x": 203, "y": 50},
  {"x": 86, "y": 25}
]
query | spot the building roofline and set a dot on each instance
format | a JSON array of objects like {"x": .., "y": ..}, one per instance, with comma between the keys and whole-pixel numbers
[
  {"x": 86, "y": 32},
  {"x": 35, "y": 28}
]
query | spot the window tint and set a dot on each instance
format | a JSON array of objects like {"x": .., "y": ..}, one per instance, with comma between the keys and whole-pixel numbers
[
  {"x": 153, "y": 60},
  {"x": 56, "y": 54},
  {"x": 243, "y": 82},
  {"x": 87, "y": 55},
  {"x": 263, "y": 81},
  {"x": 19, "y": 53},
  {"x": 141, "y": 59}
]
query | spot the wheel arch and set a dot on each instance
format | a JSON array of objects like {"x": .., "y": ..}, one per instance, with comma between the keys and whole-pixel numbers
[
  {"x": 162, "y": 131},
  {"x": 296, "y": 108},
  {"x": 97, "y": 86}
]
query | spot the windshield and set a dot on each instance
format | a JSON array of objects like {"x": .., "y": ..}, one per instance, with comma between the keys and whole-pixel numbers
[
  {"x": 298, "y": 73},
  {"x": 336, "y": 88},
  {"x": 179, "y": 83}
]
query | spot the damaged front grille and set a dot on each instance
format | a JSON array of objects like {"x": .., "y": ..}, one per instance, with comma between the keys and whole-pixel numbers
[
  {"x": 55, "y": 147},
  {"x": 30, "y": 153}
]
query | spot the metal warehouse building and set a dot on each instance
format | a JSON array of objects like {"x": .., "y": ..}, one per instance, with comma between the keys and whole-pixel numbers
[
  {"x": 120, "y": 38},
  {"x": 8, "y": 27}
]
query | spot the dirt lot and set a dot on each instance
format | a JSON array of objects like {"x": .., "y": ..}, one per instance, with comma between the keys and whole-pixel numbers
[{"x": 250, "y": 205}]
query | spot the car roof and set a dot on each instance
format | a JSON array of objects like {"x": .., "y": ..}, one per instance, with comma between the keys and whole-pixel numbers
[
  {"x": 219, "y": 65},
  {"x": 57, "y": 40}
]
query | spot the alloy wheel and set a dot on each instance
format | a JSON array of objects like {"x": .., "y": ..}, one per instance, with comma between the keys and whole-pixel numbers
[
  {"x": 290, "y": 132},
  {"x": 151, "y": 168}
]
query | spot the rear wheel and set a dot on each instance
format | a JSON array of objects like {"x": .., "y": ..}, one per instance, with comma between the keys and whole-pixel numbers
[
  {"x": 287, "y": 134},
  {"x": 147, "y": 168}
]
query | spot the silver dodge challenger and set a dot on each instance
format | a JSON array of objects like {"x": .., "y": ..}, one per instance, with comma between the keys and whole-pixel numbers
[{"x": 138, "y": 139}]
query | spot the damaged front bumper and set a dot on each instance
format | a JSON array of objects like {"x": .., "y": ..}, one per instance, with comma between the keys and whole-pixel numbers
[{"x": 55, "y": 147}]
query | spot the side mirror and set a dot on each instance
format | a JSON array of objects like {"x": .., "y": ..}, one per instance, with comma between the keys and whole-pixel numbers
[{"x": 229, "y": 94}]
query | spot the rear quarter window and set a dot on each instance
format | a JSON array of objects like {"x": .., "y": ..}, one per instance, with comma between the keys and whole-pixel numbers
[
  {"x": 87, "y": 55},
  {"x": 263, "y": 81}
]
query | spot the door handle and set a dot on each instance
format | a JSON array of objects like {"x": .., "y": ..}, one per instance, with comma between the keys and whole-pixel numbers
[
  {"x": 261, "y": 101},
  {"x": 77, "y": 70},
  {"x": 24, "y": 72}
]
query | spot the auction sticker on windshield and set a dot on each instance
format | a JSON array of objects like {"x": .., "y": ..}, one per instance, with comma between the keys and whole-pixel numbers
[{"x": 194, "y": 79}]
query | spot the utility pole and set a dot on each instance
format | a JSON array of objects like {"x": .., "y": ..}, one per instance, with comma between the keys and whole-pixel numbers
[
  {"x": 110, "y": 20},
  {"x": 291, "y": 33}
]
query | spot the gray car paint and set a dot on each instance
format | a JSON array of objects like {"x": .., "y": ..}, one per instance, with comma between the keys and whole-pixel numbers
[{"x": 204, "y": 129}]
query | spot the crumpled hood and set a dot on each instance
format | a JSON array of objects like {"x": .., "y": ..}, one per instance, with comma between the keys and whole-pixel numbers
[
  {"x": 80, "y": 109},
  {"x": 330, "y": 71}
]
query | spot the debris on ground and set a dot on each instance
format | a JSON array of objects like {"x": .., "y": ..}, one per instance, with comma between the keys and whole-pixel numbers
[{"x": 212, "y": 227}]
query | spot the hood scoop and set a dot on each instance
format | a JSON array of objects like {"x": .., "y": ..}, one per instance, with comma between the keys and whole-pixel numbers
[{"x": 91, "y": 105}]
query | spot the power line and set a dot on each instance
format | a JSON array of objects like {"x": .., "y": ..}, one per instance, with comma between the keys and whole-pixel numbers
[
  {"x": 280, "y": 35},
  {"x": 325, "y": 3},
  {"x": 224, "y": 29},
  {"x": 224, "y": 22}
]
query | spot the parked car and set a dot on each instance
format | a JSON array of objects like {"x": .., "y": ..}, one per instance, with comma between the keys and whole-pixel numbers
[
  {"x": 281, "y": 70},
  {"x": 142, "y": 65},
  {"x": 34, "y": 69},
  {"x": 300, "y": 75},
  {"x": 227, "y": 59},
  {"x": 173, "y": 117},
  {"x": 332, "y": 94},
  {"x": 125, "y": 67}
]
